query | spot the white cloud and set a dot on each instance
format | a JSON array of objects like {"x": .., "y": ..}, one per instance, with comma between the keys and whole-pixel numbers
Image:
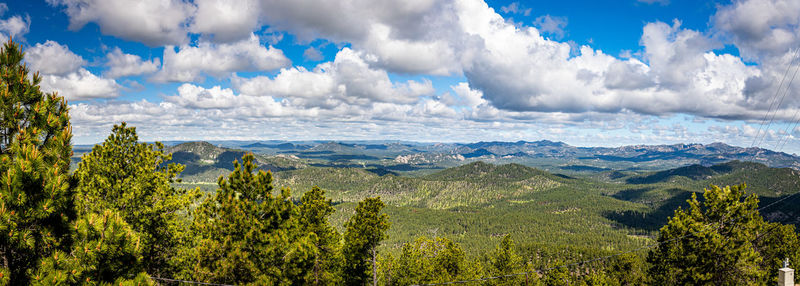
[
  {"x": 468, "y": 96},
  {"x": 514, "y": 73},
  {"x": 515, "y": 8},
  {"x": 121, "y": 64},
  {"x": 53, "y": 58},
  {"x": 761, "y": 29},
  {"x": 61, "y": 72},
  {"x": 312, "y": 54},
  {"x": 348, "y": 79},
  {"x": 551, "y": 24},
  {"x": 80, "y": 85},
  {"x": 403, "y": 36},
  {"x": 629, "y": 75},
  {"x": 189, "y": 63},
  {"x": 152, "y": 22},
  {"x": 14, "y": 26},
  {"x": 193, "y": 96},
  {"x": 520, "y": 71},
  {"x": 226, "y": 21},
  {"x": 674, "y": 53}
]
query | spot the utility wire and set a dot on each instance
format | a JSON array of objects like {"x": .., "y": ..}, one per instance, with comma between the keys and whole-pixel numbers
[
  {"x": 794, "y": 117},
  {"x": 788, "y": 86},
  {"x": 774, "y": 97},
  {"x": 188, "y": 282}
]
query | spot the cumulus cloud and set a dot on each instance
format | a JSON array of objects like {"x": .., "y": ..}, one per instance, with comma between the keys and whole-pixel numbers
[
  {"x": 515, "y": 73},
  {"x": 403, "y": 36},
  {"x": 467, "y": 96},
  {"x": 761, "y": 29},
  {"x": 121, "y": 64},
  {"x": 193, "y": 96},
  {"x": 189, "y": 63},
  {"x": 53, "y": 58},
  {"x": 766, "y": 32},
  {"x": 520, "y": 71},
  {"x": 629, "y": 75},
  {"x": 15, "y": 26},
  {"x": 80, "y": 85},
  {"x": 674, "y": 53},
  {"x": 152, "y": 22},
  {"x": 61, "y": 71},
  {"x": 226, "y": 21},
  {"x": 348, "y": 79}
]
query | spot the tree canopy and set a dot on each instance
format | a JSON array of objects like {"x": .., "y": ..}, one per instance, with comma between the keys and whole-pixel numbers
[
  {"x": 35, "y": 150},
  {"x": 729, "y": 243}
]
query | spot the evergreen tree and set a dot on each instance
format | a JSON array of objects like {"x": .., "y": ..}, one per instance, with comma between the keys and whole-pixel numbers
[
  {"x": 247, "y": 235},
  {"x": 728, "y": 242},
  {"x": 627, "y": 270},
  {"x": 558, "y": 276},
  {"x": 432, "y": 261},
  {"x": 505, "y": 261},
  {"x": 106, "y": 250},
  {"x": 132, "y": 178},
  {"x": 35, "y": 203},
  {"x": 364, "y": 232},
  {"x": 314, "y": 212}
]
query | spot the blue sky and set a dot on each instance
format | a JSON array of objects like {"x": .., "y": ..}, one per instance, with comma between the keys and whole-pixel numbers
[{"x": 589, "y": 73}]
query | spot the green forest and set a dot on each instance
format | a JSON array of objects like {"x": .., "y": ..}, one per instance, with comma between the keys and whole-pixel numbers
[{"x": 124, "y": 217}]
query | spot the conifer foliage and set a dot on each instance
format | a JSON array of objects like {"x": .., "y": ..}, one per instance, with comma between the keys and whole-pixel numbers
[
  {"x": 434, "y": 260},
  {"x": 314, "y": 212},
  {"x": 365, "y": 230},
  {"x": 35, "y": 152},
  {"x": 730, "y": 243},
  {"x": 245, "y": 234},
  {"x": 132, "y": 179}
]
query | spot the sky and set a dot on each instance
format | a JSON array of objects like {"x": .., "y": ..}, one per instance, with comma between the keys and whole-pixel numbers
[{"x": 588, "y": 73}]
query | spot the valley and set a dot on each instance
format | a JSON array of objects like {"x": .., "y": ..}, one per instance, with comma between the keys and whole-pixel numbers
[{"x": 552, "y": 202}]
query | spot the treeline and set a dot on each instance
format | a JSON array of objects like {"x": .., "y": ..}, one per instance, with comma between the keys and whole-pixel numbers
[{"x": 119, "y": 219}]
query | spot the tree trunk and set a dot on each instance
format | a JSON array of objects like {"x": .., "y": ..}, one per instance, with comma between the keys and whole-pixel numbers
[
  {"x": 316, "y": 269},
  {"x": 374, "y": 268}
]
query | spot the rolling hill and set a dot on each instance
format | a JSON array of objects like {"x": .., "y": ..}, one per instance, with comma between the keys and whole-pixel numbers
[{"x": 474, "y": 202}]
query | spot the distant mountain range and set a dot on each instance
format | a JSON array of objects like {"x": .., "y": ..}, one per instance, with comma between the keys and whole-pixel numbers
[{"x": 545, "y": 154}]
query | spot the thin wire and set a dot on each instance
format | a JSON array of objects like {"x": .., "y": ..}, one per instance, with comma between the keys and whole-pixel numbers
[
  {"x": 788, "y": 86},
  {"x": 540, "y": 271},
  {"x": 774, "y": 97},
  {"x": 795, "y": 118},
  {"x": 189, "y": 282},
  {"x": 782, "y": 142}
]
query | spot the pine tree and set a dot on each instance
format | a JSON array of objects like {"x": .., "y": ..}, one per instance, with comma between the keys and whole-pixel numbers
[
  {"x": 728, "y": 242},
  {"x": 106, "y": 250},
  {"x": 432, "y": 261},
  {"x": 314, "y": 212},
  {"x": 505, "y": 261},
  {"x": 557, "y": 276},
  {"x": 35, "y": 204},
  {"x": 130, "y": 177},
  {"x": 247, "y": 235},
  {"x": 627, "y": 270},
  {"x": 364, "y": 232}
]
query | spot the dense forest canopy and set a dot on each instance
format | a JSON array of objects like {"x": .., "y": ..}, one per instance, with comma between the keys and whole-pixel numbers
[{"x": 124, "y": 218}]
